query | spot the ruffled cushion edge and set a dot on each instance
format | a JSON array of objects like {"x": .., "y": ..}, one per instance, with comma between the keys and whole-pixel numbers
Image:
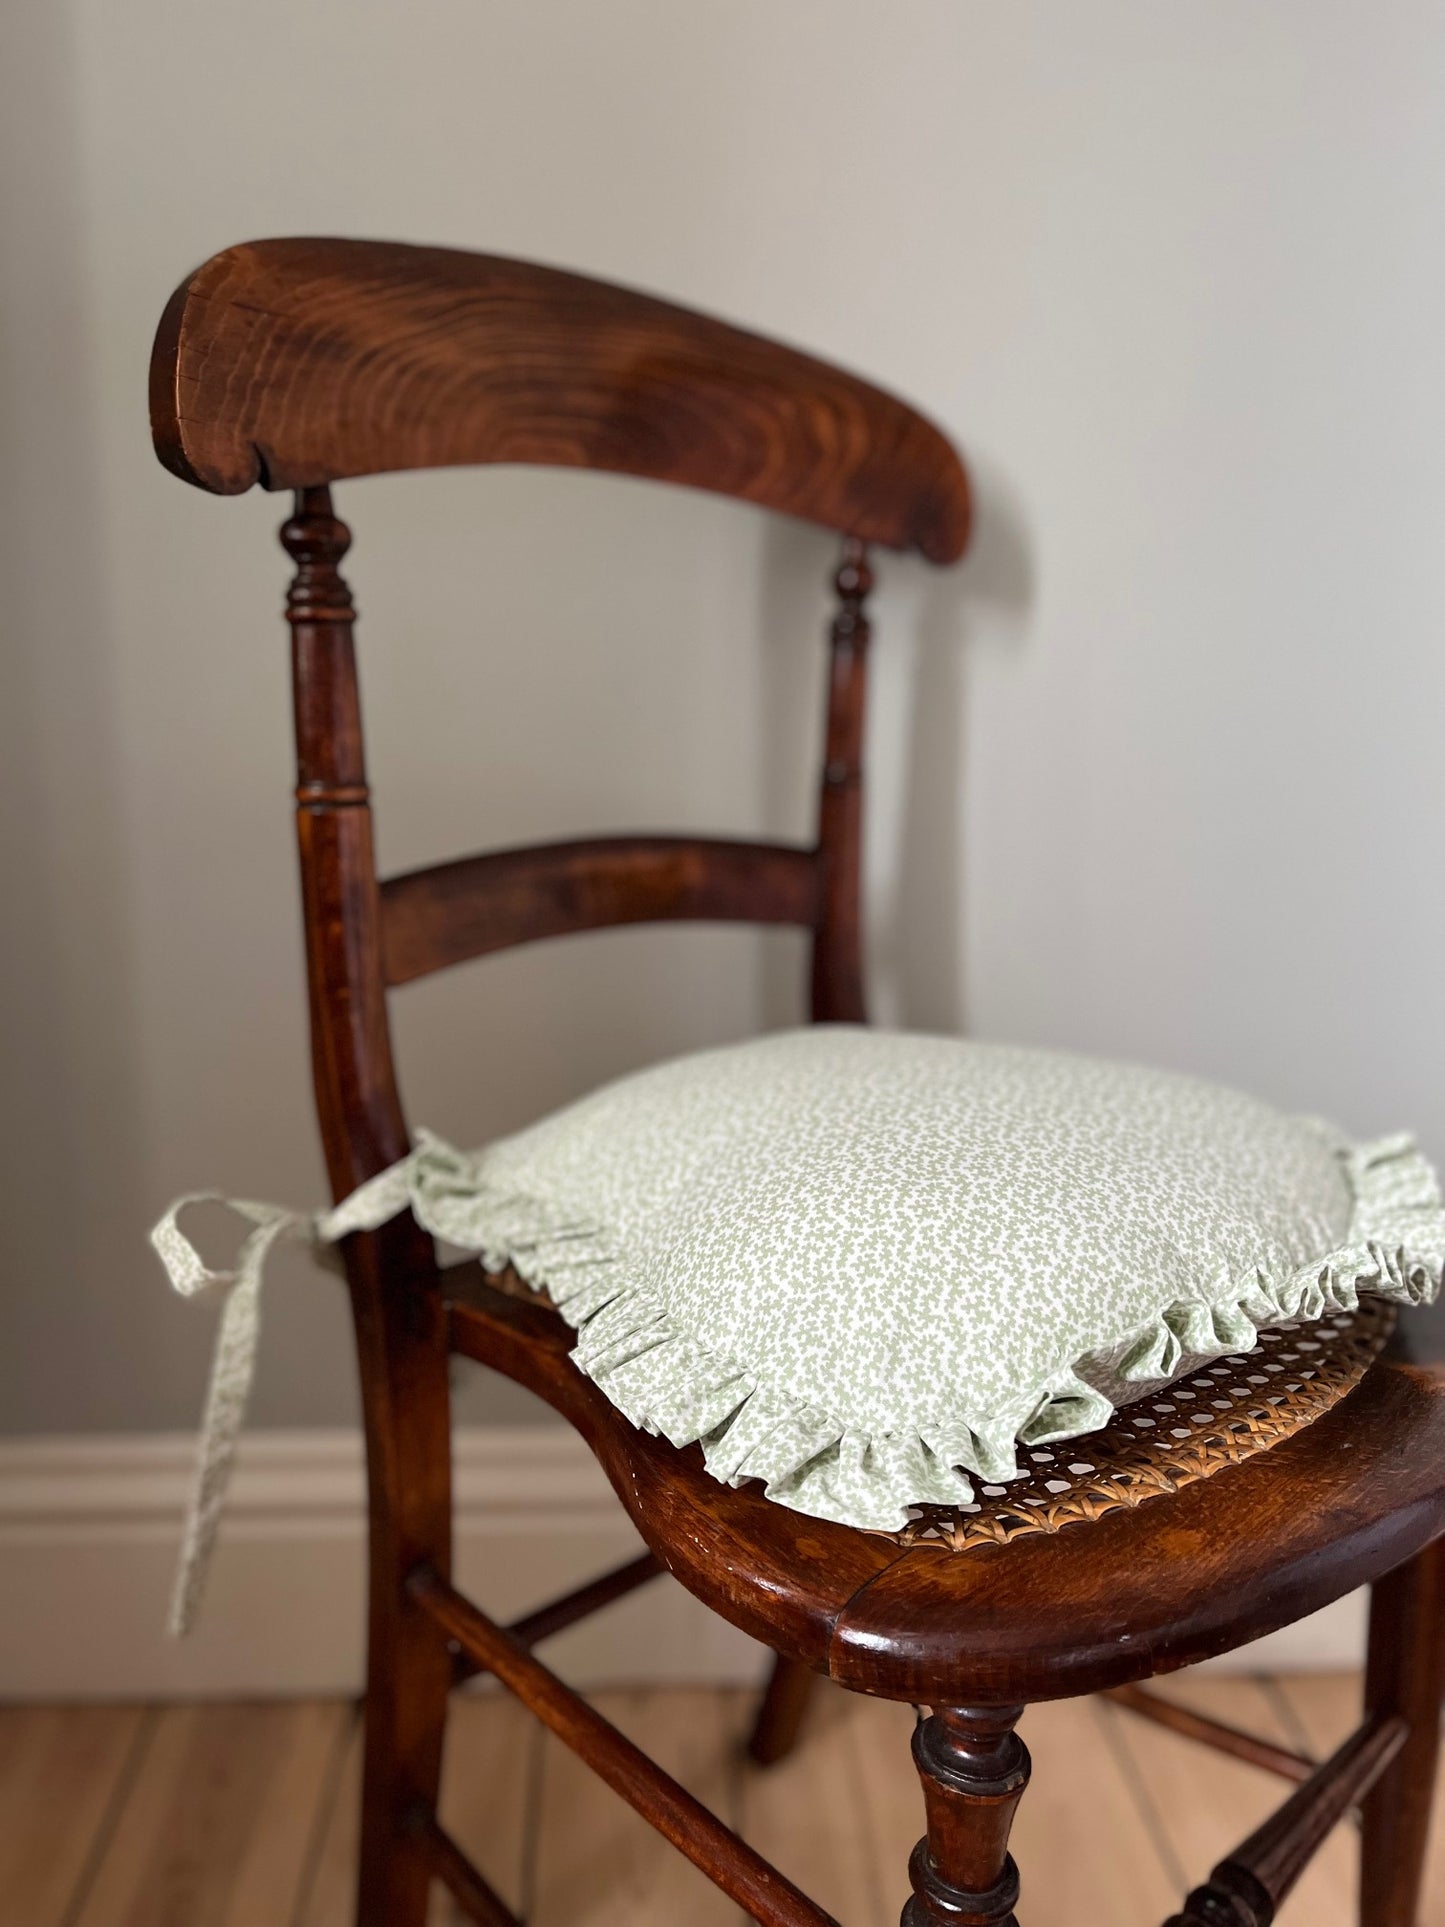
[{"x": 668, "y": 1384}]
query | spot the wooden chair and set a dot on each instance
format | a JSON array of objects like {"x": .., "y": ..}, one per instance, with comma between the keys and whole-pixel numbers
[{"x": 295, "y": 363}]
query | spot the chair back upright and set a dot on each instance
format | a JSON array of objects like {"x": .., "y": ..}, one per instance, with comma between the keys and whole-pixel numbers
[{"x": 296, "y": 363}]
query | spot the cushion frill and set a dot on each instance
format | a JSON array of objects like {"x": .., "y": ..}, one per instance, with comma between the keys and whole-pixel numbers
[{"x": 665, "y": 1382}]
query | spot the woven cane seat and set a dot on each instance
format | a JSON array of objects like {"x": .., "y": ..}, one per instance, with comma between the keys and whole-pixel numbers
[
  {"x": 1216, "y": 1417},
  {"x": 1337, "y": 1469}
]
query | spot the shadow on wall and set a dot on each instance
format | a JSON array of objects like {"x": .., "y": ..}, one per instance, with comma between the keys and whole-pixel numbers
[
  {"x": 914, "y": 856},
  {"x": 915, "y": 865}
]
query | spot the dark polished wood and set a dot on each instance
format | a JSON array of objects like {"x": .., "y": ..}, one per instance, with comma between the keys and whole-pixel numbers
[
  {"x": 298, "y": 362},
  {"x": 479, "y": 904},
  {"x": 695, "y": 1525},
  {"x": 837, "y": 985},
  {"x": 396, "y": 1301},
  {"x": 726, "y": 1859},
  {"x": 558, "y": 1614},
  {"x": 1249, "y": 1887},
  {"x": 301, "y": 361},
  {"x": 473, "y": 1893},
  {"x": 974, "y": 1769},
  {"x": 1405, "y": 1676},
  {"x": 1213, "y": 1733},
  {"x": 781, "y": 1710},
  {"x": 1139, "y": 1592}
]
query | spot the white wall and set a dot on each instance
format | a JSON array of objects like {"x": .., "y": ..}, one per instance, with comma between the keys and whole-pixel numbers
[{"x": 1172, "y": 275}]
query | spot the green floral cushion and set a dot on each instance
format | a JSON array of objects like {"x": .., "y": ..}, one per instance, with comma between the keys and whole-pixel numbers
[{"x": 859, "y": 1265}]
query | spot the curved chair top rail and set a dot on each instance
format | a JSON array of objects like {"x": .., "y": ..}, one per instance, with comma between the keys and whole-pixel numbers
[{"x": 302, "y": 361}]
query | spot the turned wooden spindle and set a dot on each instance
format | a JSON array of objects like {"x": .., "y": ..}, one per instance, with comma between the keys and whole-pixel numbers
[
  {"x": 330, "y": 769},
  {"x": 397, "y": 1307},
  {"x": 1233, "y": 1898},
  {"x": 351, "y": 1041},
  {"x": 316, "y": 539},
  {"x": 974, "y": 1769},
  {"x": 837, "y": 989},
  {"x": 1248, "y": 1888}
]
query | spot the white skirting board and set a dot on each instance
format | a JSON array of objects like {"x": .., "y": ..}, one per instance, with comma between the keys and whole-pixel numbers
[{"x": 89, "y": 1526}]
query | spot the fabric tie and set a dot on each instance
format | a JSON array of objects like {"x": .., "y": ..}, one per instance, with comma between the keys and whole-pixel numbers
[{"x": 233, "y": 1363}]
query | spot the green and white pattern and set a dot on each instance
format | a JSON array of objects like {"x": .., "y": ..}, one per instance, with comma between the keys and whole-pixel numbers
[{"x": 859, "y": 1265}]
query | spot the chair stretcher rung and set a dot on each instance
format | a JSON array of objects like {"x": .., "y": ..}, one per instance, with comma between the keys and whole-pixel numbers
[
  {"x": 472, "y": 1893},
  {"x": 1224, "y": 1739},
  {"x": 558, "y": 1614},
  {"x": 1253, "y": 1881},
  {"x": 728, "y": 1861}
]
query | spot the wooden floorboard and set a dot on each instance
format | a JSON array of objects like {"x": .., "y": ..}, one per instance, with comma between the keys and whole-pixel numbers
[
  {"x": 489, "y": 1789},
  {"x": 1083, "y": 1843},
  {"x": 326, "y": 1894},
  {"x": 810, "y": 1813},
  {"x": 1328, "y": 1707},
  {"x": 217, "y": 1827},
  {"x": 245, "y": 1815},
  {"x": 1207, "y": 1803},
  {"x": 1083, "y": 1828},
  {"x": 63, "y": 1775},
  {"x": 596, "y": 1860}
]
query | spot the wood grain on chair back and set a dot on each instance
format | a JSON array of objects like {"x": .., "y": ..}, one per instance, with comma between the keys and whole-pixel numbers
[{"x": 297, "y": 362}]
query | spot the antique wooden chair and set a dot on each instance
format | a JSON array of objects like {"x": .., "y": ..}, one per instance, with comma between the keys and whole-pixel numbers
[{"x": 295, "y": 363}]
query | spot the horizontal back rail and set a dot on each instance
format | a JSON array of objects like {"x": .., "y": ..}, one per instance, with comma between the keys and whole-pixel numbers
[
  {"x": 297, "y": 362},
  {"x": 479, "y": 904}
]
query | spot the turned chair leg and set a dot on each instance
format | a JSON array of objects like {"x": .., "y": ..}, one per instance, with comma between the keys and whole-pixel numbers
[
  {"x": 780, "y": 1715},
  {"x": 974, "y": 1769},
  {"x": 1405, "y": 1675},
  {"x": 409, "y": 1676},
  {"x": 408, "y": 1664}
]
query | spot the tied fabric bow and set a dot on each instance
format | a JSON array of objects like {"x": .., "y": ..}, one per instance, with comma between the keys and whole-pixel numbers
[{"x": 233, "y": 1363}]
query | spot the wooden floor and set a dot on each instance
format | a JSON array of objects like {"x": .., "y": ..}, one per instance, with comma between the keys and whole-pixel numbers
[{"x": 234, "y": 1815}]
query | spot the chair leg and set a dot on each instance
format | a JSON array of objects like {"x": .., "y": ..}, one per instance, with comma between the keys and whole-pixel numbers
[
  {"x": 1405, "y": 1675},
  {"x": 780, "y": 1715},
  {"x": 408, "y": 1683},
  {"x": 401, "y": 1345},
  {"x": 974, "y": 1769}
]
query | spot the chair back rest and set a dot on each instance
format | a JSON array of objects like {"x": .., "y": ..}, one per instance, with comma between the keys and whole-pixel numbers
[{"x": 297, "y": 363}]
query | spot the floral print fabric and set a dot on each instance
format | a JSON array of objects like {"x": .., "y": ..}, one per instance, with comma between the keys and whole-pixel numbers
[{"x": 861, "y": 1265}]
